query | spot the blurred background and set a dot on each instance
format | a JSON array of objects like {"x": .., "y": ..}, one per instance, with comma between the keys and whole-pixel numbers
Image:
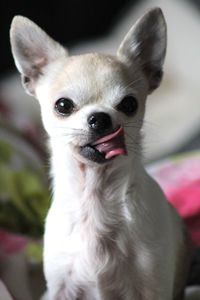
[{"x": 171, "y": 128}]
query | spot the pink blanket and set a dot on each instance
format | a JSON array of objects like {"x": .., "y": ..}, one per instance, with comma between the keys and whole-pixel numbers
[{"x": 180, "y": 179}]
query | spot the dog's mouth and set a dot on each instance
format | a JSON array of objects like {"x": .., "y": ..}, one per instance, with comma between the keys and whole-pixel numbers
[{"x": 106, "y": 147}]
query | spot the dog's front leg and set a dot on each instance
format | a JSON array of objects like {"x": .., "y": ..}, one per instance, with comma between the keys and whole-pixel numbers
[
  {"x": 112, "y": 295},
  {"x": 108, "y": 295},
  {"x": 118, "y": 290},
  {"x": 134, "y": 292}
]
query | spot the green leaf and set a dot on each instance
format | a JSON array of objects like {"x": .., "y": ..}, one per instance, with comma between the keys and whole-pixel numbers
[
  {"x": 34, "y": 251},
  {"x": 5, "y": 152}
]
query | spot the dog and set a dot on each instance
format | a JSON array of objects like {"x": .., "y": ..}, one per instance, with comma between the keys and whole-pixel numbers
[{"x": 110, "y": 234}]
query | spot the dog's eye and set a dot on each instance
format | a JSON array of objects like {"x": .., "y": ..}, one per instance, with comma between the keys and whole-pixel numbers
[
  {"x": 128, "y": 105},
  {"x": 64, "y": 106}
]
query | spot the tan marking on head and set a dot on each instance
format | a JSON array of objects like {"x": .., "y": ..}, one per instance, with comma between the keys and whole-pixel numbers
[
  {"x": 89, "y": 78},
  {"x": 82, "y": 167}
]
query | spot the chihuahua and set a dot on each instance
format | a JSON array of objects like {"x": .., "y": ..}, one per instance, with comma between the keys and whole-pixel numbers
[{"x": 110, "y": 234}]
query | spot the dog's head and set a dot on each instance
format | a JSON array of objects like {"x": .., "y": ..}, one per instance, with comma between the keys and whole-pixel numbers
[{"x": 93, "y": 104}]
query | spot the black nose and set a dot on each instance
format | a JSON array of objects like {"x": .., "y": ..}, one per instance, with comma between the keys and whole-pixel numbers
[{"x": 100, "y": 122}]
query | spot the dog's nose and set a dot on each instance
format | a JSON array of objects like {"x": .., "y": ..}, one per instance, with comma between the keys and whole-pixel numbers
[{"x": 100, "y": 122}]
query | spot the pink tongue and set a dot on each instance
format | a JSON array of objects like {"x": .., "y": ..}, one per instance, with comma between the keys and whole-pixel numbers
[{"x": 112, "y": 145}]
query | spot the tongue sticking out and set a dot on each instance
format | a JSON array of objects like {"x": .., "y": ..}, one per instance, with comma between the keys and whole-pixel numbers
[{"x": 111, "y": 145}]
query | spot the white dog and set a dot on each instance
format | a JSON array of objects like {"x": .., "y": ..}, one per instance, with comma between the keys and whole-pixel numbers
[{"x": 110, "y": 233}]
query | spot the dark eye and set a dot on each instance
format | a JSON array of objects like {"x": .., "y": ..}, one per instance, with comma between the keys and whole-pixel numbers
[
  {"x": 64, "y": 106},
  {"x": 128, "y": 105}
]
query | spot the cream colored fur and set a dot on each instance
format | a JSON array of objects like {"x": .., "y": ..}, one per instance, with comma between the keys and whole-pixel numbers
[{"x": 110, "y": 233}]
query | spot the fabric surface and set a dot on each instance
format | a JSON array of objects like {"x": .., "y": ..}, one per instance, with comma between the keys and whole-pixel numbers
[{"x": 179, "y": 177}]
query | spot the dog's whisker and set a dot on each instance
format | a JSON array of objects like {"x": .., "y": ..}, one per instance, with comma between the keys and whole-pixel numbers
[
  {"x": 134, "y": 122},
  {"x": 70, "y": 128},
  {"x": 133, "y": 127},
  {"x": 133, "y": 138},
  {"x": 132, "y": 83}
]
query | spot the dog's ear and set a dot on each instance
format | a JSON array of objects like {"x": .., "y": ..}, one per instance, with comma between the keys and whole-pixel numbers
[
  {"x": 146, "y": 44},
  {"x": 32, "y": 50}
]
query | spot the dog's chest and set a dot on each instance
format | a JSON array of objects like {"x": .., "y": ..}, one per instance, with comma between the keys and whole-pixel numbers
[
  {"x": 85, "y": 235},
  {"x": 73, "y": 255},
  {"x": 79, "y": 240}
]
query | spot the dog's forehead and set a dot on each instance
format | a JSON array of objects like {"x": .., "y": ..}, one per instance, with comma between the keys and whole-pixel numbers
[
  {"x": 94, "y": 65},
  {"x": 90, "y": 76}
]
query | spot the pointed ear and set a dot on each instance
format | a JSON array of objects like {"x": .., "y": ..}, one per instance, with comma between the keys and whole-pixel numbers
[
  {"x": 32, "y": 50},
  {"x": 145, "y": 43}
]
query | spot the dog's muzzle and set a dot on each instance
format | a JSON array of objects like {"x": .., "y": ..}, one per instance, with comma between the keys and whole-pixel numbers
[{"x": 105, "y": 148}]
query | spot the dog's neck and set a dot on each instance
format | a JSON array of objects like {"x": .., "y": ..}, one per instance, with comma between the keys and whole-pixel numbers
[{"x": 94, "y": 191}]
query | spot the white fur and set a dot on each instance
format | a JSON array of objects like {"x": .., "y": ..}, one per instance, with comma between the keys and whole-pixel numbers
[{"x": 110, "y": 233}]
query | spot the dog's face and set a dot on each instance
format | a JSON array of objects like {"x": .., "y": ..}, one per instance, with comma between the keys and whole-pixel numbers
[{"x": 92, "y": 104}]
